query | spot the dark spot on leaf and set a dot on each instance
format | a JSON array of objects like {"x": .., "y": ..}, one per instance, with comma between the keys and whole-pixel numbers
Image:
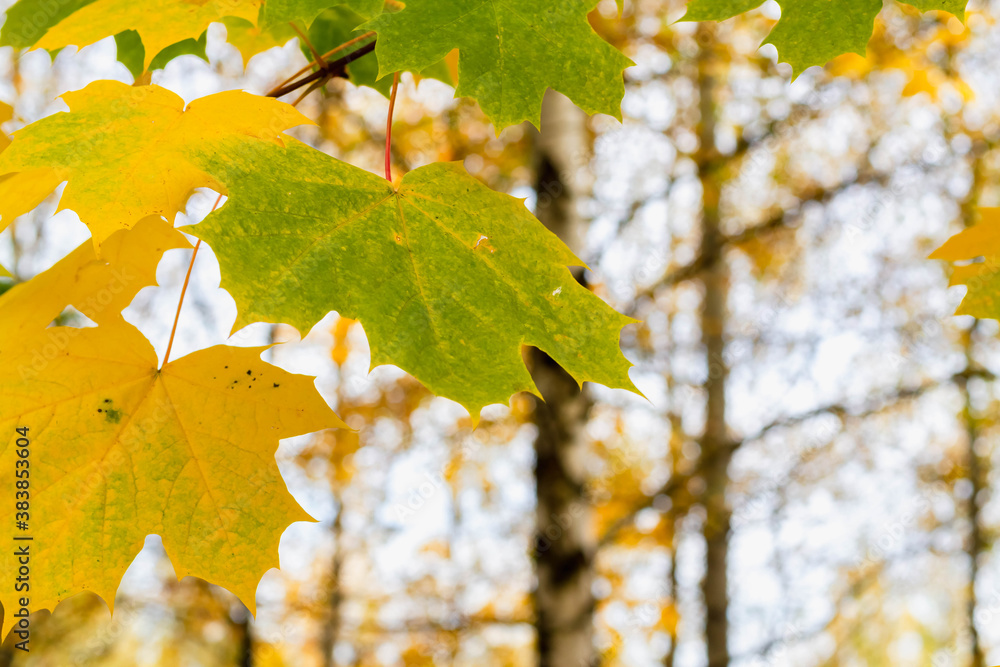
[
  {"x": 114, "y": 416},
  {"x": 276, "y": 385},
  {"x": 249, "y": 373},
  {"x": 107, "y": 400}
]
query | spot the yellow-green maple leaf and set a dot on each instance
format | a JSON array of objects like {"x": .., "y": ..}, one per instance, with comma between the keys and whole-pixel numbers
[
  {"x": 21, "y": 192},
  {"x": 449, "y": 278},
  {"x": 124, "y": 151},
  {"x": 159, "y": 23},
  {"x": 981, "y": 278},
  {"x": 120, "y": 449},
  {"x": 251, "y": 39}
]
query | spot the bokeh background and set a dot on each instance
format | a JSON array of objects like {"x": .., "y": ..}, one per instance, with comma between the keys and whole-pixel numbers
[{"x": 810, "y": 481}]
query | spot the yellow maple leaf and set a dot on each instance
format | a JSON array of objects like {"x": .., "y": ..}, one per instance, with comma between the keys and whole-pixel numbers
[
  {"x": 100, "y": 288},
  {"x": 124, "y": 151},
  {"x": 159, "y": 23},
  {"x": 23, "y": 191},
  {"x": 6, "y": 113},
  {"x": 981, "y": 278},
  {"x": 117, "y": 449},
  {"x": 980, "y": 240}
]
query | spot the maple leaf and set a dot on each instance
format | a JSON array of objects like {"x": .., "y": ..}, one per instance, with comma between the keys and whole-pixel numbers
[
  {"x": 511, "y": 52},
  {"x": 185, "y": 452},
  {"x": 100, "y": 288},
  {"x": 132, "y": 52},
  {"x": 28, "y": 20},
  {"x": 448, "y": 278},
  {"x": 23, "y": 191},
  {"x": 814, "y": 32},
  {"x": 124, "y": 151},
  {"x": 956, "y": 7},
  {"x": 279, "y": 12},
  {"x": 159, "y": 23},
  {"x": 6, "y": 113},
  {"x": 250, "y": 39},
  {"x": 981, "y": 278},
  {"x": 338, "y": 25},
  {"x": 273, "y": 28},
  {"x": 718, "y": 10}
]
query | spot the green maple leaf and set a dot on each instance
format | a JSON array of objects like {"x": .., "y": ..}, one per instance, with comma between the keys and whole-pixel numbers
[
  {"x": 814, "y": 32},
  {"x": 718, "y": 10},
  {"x": 511, "y": 51},
  {"x": 448, "y": 278},
  {"x": 336, "y": 26},
  {"x": 956, "y": 7},
  {"x": 279, "y": 12}
]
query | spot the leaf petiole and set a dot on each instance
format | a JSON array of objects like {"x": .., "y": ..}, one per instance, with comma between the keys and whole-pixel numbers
[
  {"x": 388, "y": 128},
  {"x": 180, "y": 304}
]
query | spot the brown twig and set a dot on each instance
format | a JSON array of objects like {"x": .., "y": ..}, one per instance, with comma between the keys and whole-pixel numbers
[
  {"x": 327, "y": 70},
  {"x": 315, "y": 84},
  {"x": 314, "y": 63}
]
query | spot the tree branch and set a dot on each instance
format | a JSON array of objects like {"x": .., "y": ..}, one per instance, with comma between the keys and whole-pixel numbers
[
  {"x": 873, "y": 407},
  {"x": 330, "y": 70},
  {"x": 778, "y": 221}
]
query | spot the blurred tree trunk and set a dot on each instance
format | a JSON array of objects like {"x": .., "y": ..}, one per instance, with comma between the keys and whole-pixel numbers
[
  {"x": 671, "y": 656},
  {"x": 244, "y": 638},
  {"x": 331, "y": 626},
  {"x": 564, "y": 544},
  {"x": 716, "y": 448},
  {"x": 976, "y": 545}
]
